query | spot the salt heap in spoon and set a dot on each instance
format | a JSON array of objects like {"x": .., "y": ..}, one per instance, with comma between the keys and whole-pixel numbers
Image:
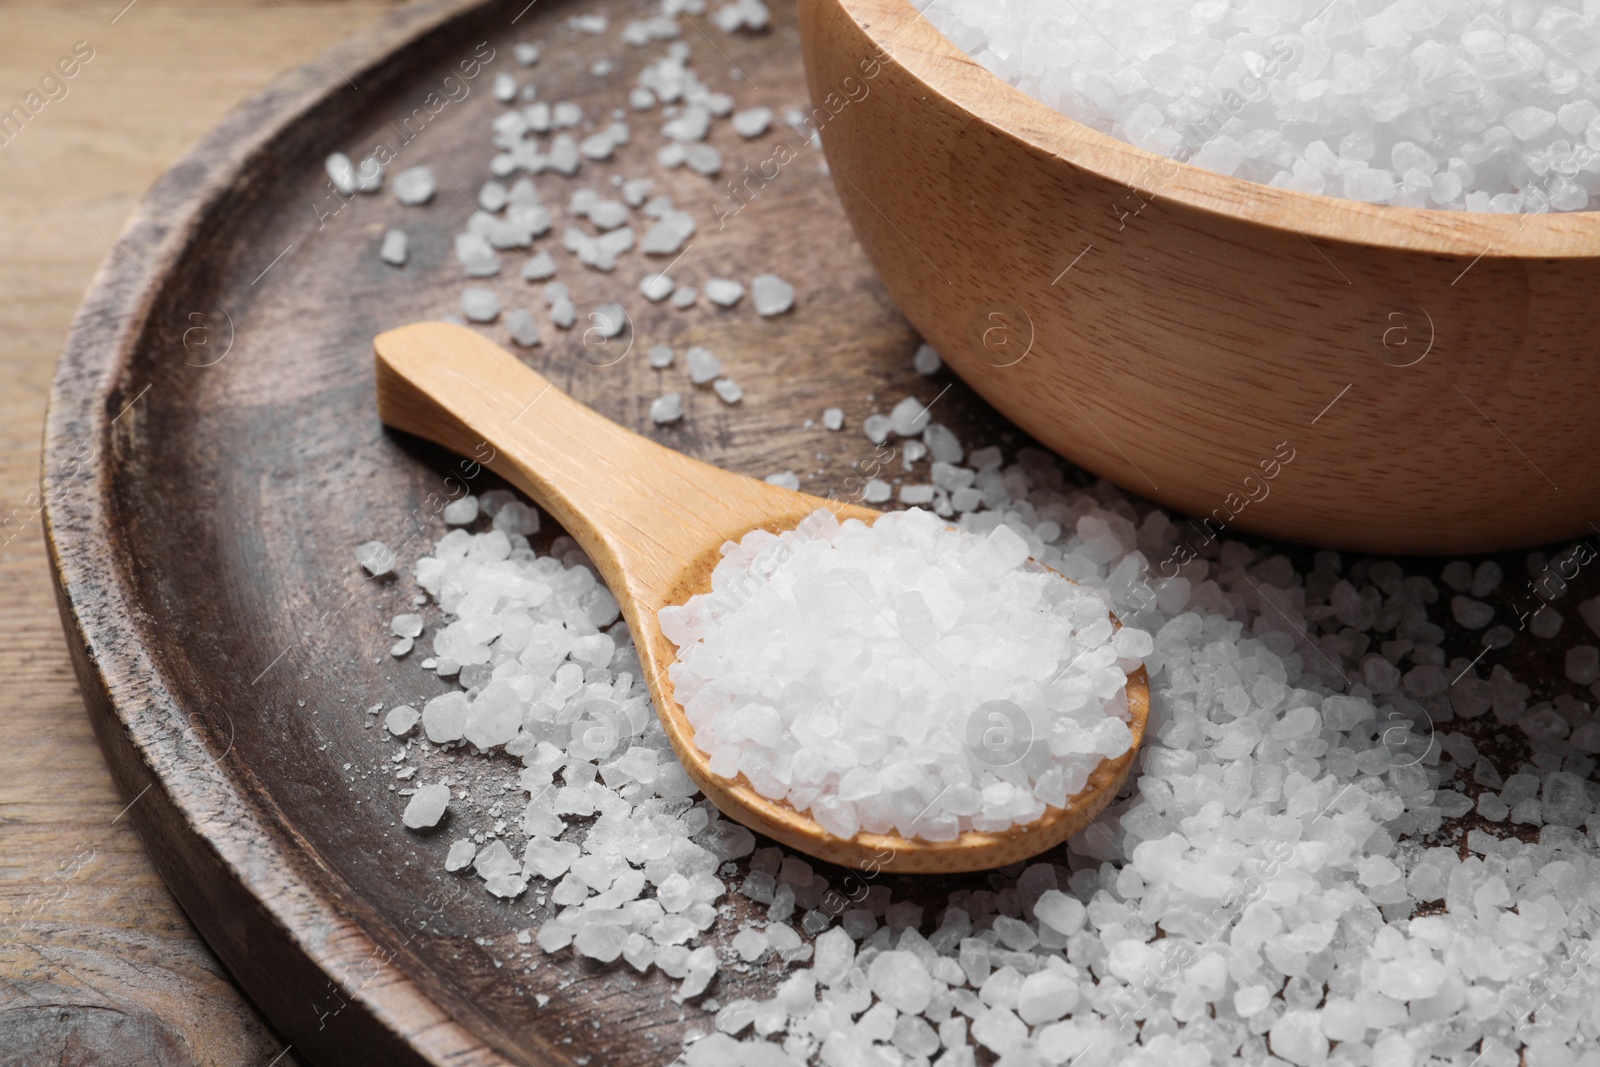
[{"x": 894, "y": 677}]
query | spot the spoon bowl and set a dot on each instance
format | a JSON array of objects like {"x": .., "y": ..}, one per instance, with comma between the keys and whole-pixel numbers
[{"x": 654, "y": 521}]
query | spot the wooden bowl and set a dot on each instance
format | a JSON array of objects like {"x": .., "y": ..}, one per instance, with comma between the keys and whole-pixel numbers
[{"x": 1319, "y": 370}]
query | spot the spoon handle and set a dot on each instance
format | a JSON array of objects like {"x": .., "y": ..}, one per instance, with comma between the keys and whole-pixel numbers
[{"x": 639, "y": 509}]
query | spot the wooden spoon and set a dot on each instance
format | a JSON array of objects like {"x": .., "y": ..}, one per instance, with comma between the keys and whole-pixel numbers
[{"x": 654, "y": 521}]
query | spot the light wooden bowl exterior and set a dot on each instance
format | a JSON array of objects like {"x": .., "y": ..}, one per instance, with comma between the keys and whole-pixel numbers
[{"x": 1351, "y": 375}]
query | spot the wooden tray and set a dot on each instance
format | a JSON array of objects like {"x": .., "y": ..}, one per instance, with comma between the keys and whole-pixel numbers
[{"x": 214, "y": 456}]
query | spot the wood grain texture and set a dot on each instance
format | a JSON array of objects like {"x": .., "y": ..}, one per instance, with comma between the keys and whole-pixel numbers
[
  {"x": 98, "y": 965},
  {"x": 654, "y": 521},
  {"x": 1169, "y": 327}
]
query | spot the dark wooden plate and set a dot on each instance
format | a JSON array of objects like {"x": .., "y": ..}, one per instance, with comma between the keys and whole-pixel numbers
[{"x": 213, "y": 458}]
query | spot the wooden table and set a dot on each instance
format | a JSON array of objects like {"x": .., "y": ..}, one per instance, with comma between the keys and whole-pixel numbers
[{"x": 97, "y": 963}]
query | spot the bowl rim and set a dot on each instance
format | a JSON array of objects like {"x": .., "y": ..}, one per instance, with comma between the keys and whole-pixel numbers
[{"x": 908, "y": 40}]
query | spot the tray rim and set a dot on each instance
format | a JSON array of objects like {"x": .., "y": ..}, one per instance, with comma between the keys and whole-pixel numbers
[{"x": 186, "y": 809}]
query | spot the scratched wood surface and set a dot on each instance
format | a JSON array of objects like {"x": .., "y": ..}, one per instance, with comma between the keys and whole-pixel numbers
[{"x": 217, "y": 396}]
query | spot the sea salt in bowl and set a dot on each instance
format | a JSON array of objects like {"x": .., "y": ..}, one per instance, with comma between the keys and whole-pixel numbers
[{"x": 1370, "y": 377}]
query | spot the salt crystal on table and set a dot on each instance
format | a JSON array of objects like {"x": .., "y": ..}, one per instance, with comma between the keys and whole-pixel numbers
[
  {"x": 877, "y": 428},
  {"x": 539, "y": 267},
  {"x": 493, "y": 196},
  {"x": 608, "y": 319},
  {"x": 480, "y": 305},
  {"x": 341, "y": 172},
  {"x": 833, "y": 418},
  {"x": 926, "y": 359},
  {"x": 783, "y": 480},
  {"x": 1045, "y": 997},
  {"x": 396, "y": 248},
  {"x": 460, "y": 855},
  {"x": 608, "y": 214},
  {"x": 691, "y": 124},
  {"x": 401, "y": 719},
  {"x": 684, "y": 297},
  {"x": 703, "y": 366},
  {"x": 563, "y": 312},
  {"x": 1062, "y": 913},
  {"x": 1583, "y": 664},
  {"x": 415, "y": 185},
  {"x": 476, "y": 255},
  {"x": 376, "y": 558},
  {"x": 666, "y": 409},
  {"x": 603, "y": 943},
  {"x": 772, "y": 295},
  {"x": 525, "y": 54},
  {"x": 660, "y": 357},
  {"x": 909, "y": 417},
  {"x": 564, "y": 156},
  {"x": 666, "y": 236},
  {"x": 656, "y": 287},
  {"x": 752, "y": 122},
  {"x": 1473, "y": 614},
  {"x": 444, "y": 717},
  {"x": 876, "y": 491},
  {"x": 724, "y": 292},
  {"x": 1297, "y": 1037},
  {"x": 728, "y": 390},
  {"x": 523, "y": 329},
  {"x": 427, "y": 806},
  {"x": 461, "y": 512},
  {"x": 703, "y": 159},
  {"x": 743, "y": 15}
]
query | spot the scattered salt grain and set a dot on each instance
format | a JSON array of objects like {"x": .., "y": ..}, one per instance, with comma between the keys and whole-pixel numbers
[
  {"x": 461, "y": 512},
  {"x": 402, "y": 718},
  {"x": 415, "y": 185},
  {"x": 396, "y": 248},
  {"x": 926, "y": 359},
  {"x": 426, "y": 807},
  {"x": 728, "y": 390},
  {"x": 783, "y": 480},
  {"x": 833, "y": 418},
  {"x": 665, "y": 409},
  {"x": 460, "y": 856},
  {"x": 480, "y": 305},
  {"x": 660, "y": 357},
  {"x": 703, "y": 366},
  {"x": 540, "y": 267},
  {"x": 909, "y": 417},
  {"x": 772, "y": 295},
  {"x": 668, "y": 234},
  {"x": 376, "y": 558},
  {"x": 523, "y": 329},
  {"x": 752, "y": 122},
  {"x": 723, "y": 292}
]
